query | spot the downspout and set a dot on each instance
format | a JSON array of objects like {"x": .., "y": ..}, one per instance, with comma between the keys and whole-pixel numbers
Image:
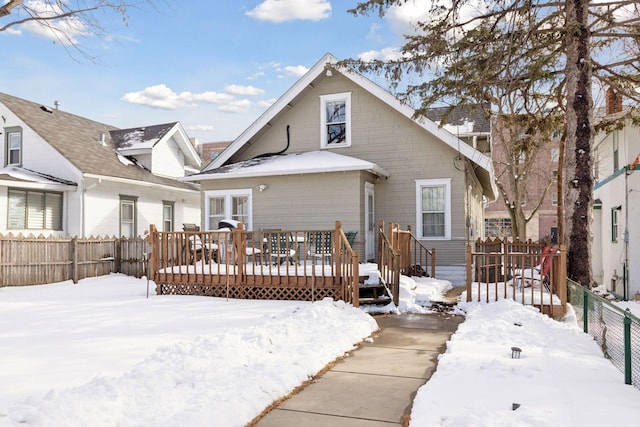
[{"x": 625, "y": 279}]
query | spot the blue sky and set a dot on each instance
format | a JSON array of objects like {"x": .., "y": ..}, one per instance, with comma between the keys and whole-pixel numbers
[{"x": 215, "y": 66}]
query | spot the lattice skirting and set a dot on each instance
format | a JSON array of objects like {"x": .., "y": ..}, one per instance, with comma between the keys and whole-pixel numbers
[{"x": 249, "y": 292}]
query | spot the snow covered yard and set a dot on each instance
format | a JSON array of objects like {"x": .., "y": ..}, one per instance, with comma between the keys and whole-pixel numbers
[{"x": 100, "y": 353}]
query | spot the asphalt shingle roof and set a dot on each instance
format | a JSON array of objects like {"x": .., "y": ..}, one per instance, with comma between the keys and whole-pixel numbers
[
  {"x": 461, "y": 115},
  {"x": 78, "y": 140}
]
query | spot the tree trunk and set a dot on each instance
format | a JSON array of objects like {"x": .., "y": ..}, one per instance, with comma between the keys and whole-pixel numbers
[{"x": 578, "y": 177}]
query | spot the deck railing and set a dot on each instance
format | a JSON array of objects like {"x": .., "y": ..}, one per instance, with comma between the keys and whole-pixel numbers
[
  {"x": 264, "y": 264},
  {"x": 520, "y": 270},
  {"x": 401, "y": 253}
]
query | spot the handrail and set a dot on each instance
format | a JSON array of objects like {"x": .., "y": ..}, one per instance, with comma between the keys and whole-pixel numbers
[
  {"x": 348, "y": 267},
  {"x": 389, "y": 264}
]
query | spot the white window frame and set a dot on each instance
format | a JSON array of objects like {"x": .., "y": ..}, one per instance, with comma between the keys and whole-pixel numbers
[
  {"x": 131, "y": 201},
  {"x": 9, "y": 133},
  {"x": 228, "y": 194},
  {"x": 346, "y": 97},
  {"x": 168, "y": 222},
  {"x": 41, "y": 210},
  {"x": 420, "y": 184}
]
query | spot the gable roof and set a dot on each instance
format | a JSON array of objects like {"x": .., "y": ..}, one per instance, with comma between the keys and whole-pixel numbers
[
  {"x": 291, "y": 164},
  {"x": 466, "y": 119},
  {"x": 484, "y": 165},
  {"x": 142, "y": 139},
  {"x": 80, "y": 141}
]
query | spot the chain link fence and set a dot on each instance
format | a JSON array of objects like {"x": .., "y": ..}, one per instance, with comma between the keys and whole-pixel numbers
[{"x": 617, "y": 331}]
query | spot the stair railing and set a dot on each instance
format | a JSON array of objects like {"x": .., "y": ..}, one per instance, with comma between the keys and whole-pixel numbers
[{"x": 389, "y": 263}]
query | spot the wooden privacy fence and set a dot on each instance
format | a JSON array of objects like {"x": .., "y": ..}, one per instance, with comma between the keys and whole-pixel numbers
[
  {"x": 264, "y": 264},
  {"x": 529, "y": 272},
  {"x": 39, "y": 260},
  {"x": 401, "y": 253}
]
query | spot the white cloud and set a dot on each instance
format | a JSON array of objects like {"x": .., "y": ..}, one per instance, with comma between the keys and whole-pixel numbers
[
  {"x": 63, "y": 30},
  {"x": 266, "y": 103},
  {"x": 290, "y": 10},
  {"x": 243, "y": 90},
  {"x": 295, "y": 70},
  {"x": 161, "y": 96},
  {"x": 403, "y": 19},
  {"x": 386, "y": 54},
  {"x": 256, "y": 76},
  {"x": 201, "y": 128},
  {"x": 239, "y": 106}
]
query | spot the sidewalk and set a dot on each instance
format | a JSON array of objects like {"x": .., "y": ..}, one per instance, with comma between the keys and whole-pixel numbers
[{"x": 376, "y": 384}]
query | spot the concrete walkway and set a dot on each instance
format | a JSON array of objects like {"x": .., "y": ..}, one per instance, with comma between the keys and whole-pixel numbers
[{"x": 376, "y": 384}]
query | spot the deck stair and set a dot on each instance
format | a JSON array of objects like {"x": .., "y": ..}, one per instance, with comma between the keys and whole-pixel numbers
[{"x": 373, "y": 293}]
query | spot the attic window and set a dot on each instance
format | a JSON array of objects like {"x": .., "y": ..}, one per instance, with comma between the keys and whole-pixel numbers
[
  {"x": 13, "y": 146},
  {"x": 335, "y": 120}
]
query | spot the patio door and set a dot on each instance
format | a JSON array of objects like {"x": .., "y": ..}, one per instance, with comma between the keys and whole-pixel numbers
[{"x": 369, "y": 222}]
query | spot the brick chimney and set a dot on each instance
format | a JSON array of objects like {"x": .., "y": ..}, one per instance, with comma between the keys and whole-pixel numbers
[{"x": 613, "y": 102}]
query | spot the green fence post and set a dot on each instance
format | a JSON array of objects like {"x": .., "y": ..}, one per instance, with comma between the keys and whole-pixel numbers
[
  {"x": 627, "y": 347},
  {"x": 585, "y": 311}
]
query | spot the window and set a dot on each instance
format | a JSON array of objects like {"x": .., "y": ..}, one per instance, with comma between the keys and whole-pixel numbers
[
  {"x": 13, "y": 146},
  {"x": 335, "y": 111},
  {"x": 233, "y": 204},
  {"x": 497, "y": 227},
  {"x": 614, "y": 223},
  {"x": 35, "y": 210},
  {"x": 555, "y": 154},
  {"x": 615, "y": 151},
  {"x": 128, "y": 216},
  {"x": 433, "y": 202},
  {"x": 554, "y": 199},
  {"x": 167, "y": 215}
]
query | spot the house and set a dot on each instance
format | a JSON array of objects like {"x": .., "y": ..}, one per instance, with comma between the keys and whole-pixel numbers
[
  {"x": 467, "y": 122},
  {"x": 336, "y": 146},
  {"x": 63, "y": 174},
  {"x": 211, "y": 150},
  {"x": 538, "y": 186},
  {"x": 616, "y": 235}
]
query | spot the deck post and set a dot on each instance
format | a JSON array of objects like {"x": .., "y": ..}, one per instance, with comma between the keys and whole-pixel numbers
[
  {"x": 337, "y": 241},
  {"x": 355, "y": 287},
  {"x": 468, "y": 278},
  {"x": 153, "y": 257}
]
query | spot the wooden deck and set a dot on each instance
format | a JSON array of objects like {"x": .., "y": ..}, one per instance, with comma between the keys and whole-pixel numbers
[
  {"x": 267, "y": 264},
  {"x": 279, "y": 264}
]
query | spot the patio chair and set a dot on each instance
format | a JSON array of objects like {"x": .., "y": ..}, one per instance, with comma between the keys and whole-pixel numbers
[
  {"x": 351, "y": 237},
  {"x": 537, "y": 274},
  {"x": 281, "y": 247},
  {"x": 320, "y": 245}
]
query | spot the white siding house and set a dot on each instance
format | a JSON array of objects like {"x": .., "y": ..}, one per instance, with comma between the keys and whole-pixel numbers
[
  {"x": 616, "y": 230},
  {"x": 337, "y": 147},
  {"x": 63, "y": 174}
]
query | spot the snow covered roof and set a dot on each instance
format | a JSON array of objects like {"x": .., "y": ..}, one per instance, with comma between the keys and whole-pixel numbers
[
  {"x": 141, "y": 137},
  {"x": 463, "y": 120},
  {"x": 290, "y": 164},
  {"x": 32, "y": 179},
  {"x": 141, "y": 140}
]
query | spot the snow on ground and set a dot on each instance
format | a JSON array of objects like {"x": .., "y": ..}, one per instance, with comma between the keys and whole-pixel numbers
[{"x": 101, "y": 353}]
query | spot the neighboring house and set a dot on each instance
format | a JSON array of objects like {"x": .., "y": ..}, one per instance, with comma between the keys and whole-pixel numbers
[
  {"x": 539, "y": 186},
  {"x": 468, "y": 122},
  {"x": 211, "y": 150},
  {"x": 67, "y": 175},
  {"x": 336, "y": 146},
  {"x": 616, "y": 231}
]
